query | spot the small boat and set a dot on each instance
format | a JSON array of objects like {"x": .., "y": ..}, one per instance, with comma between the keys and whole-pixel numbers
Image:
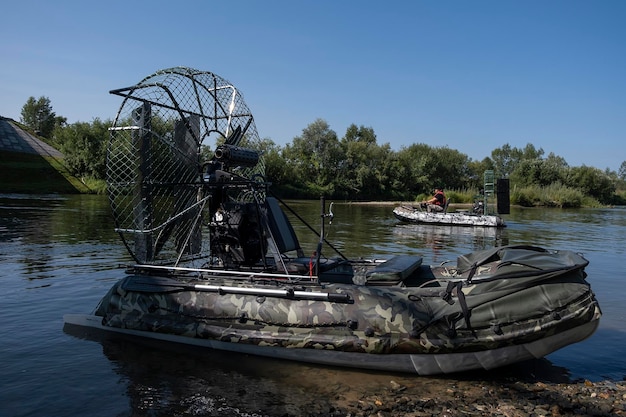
[
  {"x": 413, "y": 214},
  {"x": 217, "y": 264}
]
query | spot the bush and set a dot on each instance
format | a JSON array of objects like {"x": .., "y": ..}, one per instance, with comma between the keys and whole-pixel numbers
[{"x": 554, "y": 195}]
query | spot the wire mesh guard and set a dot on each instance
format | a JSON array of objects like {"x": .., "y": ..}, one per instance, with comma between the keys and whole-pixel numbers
[{"x": 174, "y": 129}]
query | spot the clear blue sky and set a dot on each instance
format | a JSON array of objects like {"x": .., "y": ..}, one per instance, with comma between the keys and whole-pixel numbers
[{"x": 469, "y": 75}]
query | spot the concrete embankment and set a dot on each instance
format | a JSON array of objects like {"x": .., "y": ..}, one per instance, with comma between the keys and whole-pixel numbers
[{"x": 29, "y": 165}]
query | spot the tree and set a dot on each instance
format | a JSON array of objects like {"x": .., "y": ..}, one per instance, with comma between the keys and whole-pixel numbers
[
  {"x": 591, "y": 181},
  {"x": 38, "y": 115},
  {"x": 275, "y": 168},
  {"x": 413, "y": 167},
  {"x": 541, "y": 172},
  {"x": 476, "y": 172},
  {"x": 316, "y": 156},
  {"x": 622, "y": 171},
  {"x": 506, "y": 158},
  {"x": 84, "y": 147},
  {"x": 425, "y": 167},
  {"x": 364, "y": 169},
  {"x": 451, "y": 168}
]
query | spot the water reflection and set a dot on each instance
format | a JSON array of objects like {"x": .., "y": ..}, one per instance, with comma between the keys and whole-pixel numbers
[
  {"x": 180, "y": 380},
  {"x": 53, "y": 219},
  {"x": 173, "y": 380},
  {"x": 51, "y": 233},
  {"x": 442, "y": 237},
  {"x": 59, "y": 255}
]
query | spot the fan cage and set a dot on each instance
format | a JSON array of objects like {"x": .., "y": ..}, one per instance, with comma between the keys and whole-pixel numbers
[{"x": 166, "y": 132}]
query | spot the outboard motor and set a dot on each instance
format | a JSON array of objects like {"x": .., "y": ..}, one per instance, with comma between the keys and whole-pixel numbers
[{"x": 478, "y": 207}]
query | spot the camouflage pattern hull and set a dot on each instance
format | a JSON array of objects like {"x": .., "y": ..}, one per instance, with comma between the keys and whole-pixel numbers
[
  {"x": 415, "y": 215},
  {"x": 491, "y": 309}
]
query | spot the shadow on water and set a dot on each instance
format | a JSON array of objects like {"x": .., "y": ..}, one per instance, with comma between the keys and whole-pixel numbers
[
  {"x": 184, "y": 380},
  {"x": 56, "y": 219}
]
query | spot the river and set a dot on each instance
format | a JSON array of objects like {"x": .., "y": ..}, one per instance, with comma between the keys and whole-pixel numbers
[{"x": 59, "y": 254}]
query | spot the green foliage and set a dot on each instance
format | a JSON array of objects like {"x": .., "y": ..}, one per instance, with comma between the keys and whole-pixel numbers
[
  {"x": 525, "y": 197},
  {"x": 356, "y": 167},
  {"x": 365, "y": 169},
  {"x": 457, "y": 196},
  {"x": 622, "y": 171},
  {"x": 314, "y": 157},
  {"x": 38, "y": 116},
  {"x": 593, "y": 182},
  {"x": 423, "y": 167},
  {"x": 542, "y": 172},
  {"x": 95, "y": 186},
  {"x": 84, "y": 147},
  {"x": 554, "y": 195},
  {"x": 476, "y": 170},
  {"x": 619, "y": 199},
  {"x": 506, "y": 158},
  {"x": 462, "y": 196}
]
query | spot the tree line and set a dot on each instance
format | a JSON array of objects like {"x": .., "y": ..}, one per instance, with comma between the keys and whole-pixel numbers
[{"x": 356, "y": 166}]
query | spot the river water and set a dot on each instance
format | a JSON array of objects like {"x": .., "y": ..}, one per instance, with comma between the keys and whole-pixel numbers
[{"x": 59, "y": 254}]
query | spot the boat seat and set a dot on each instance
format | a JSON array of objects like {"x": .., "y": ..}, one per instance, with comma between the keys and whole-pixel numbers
[
  {"x": 394, "y": 270},
  {"x": 282, "y": 230}
]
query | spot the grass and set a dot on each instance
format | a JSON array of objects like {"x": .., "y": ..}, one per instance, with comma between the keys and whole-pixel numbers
[
  {"x": 34, "y": 174},
  {"x": 556, "y": 195}
]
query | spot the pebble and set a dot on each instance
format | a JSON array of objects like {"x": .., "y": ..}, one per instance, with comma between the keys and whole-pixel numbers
[{"x": 512, "y": 399}]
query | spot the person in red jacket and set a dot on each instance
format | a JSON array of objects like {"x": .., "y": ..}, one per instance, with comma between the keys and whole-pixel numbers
[{"x": 437, "y": 203}]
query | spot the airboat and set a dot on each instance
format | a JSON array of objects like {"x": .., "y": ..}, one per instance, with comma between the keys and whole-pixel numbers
[
  {"x": 217, "y": 265},
  {"x": 416, "y": 214},
  {"x": 481, "y": 214}
]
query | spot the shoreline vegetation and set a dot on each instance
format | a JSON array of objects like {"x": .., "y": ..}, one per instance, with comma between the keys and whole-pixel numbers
[
  {"x": 354, "y": 168},
  {"x": 35, "y": 174}
]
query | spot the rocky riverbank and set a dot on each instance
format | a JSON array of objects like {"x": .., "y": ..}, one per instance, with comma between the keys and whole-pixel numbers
[
  {"x": 234, "y": 385},
  {"x": 533, "y": 388},
  {"x": 510, "y": 398}
]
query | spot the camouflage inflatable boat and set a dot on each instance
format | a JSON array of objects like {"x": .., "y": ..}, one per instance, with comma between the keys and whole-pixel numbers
[{"x": 218, "y": 265}]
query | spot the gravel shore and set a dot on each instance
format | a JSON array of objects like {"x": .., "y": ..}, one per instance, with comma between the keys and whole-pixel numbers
[
  {"x": 511, "y": 399},
  {"x": 534, "y": 388},
  {"x": 189, "y": 382}
]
